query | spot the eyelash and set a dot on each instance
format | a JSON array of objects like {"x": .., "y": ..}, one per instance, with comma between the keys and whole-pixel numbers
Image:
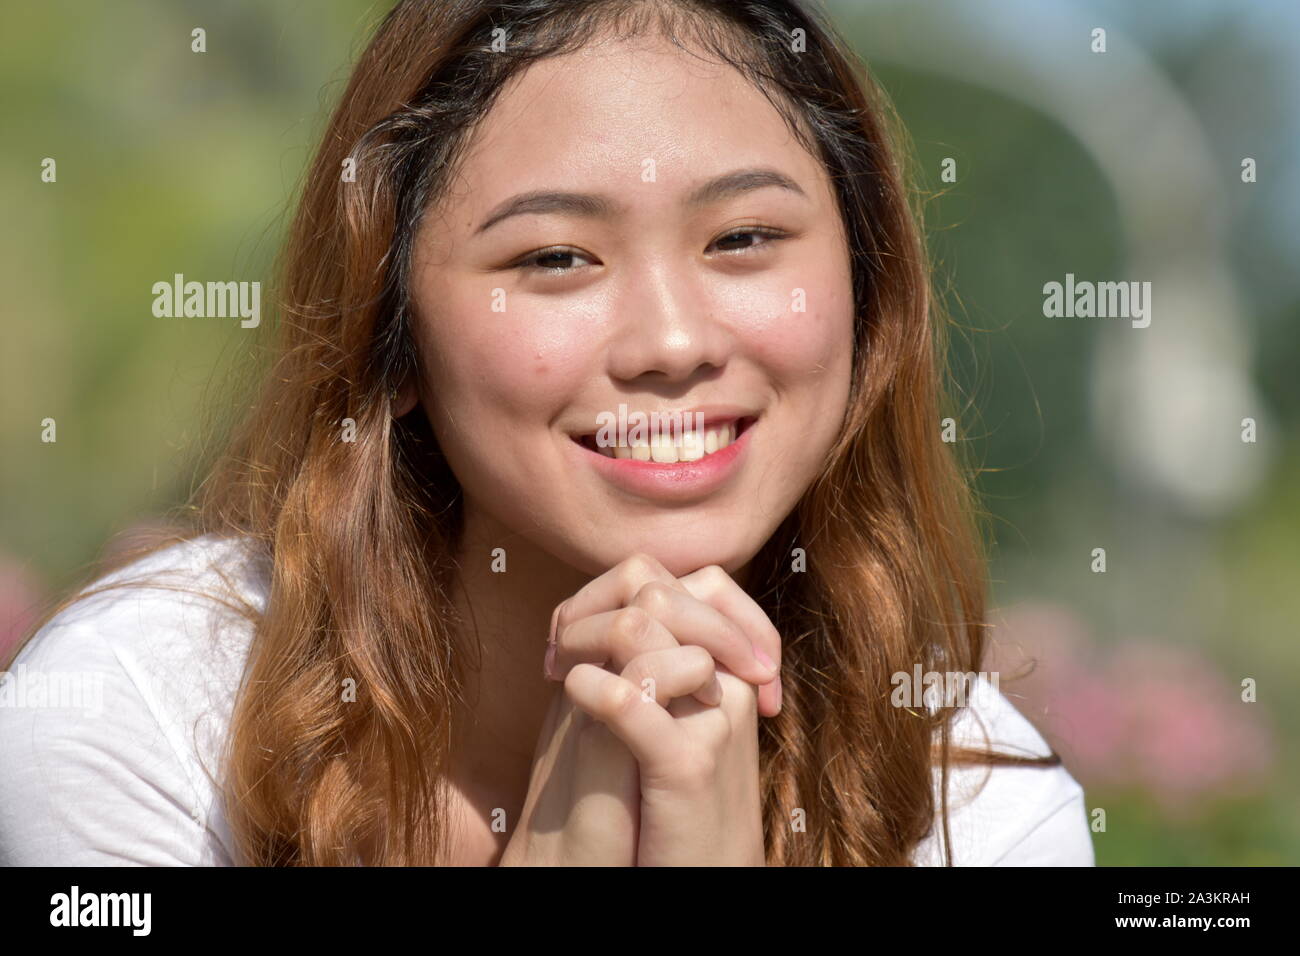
[{"x": 523, "y": 264}]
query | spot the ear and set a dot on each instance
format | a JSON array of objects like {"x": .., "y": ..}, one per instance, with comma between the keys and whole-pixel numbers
[{"x": 408, "y": 395}]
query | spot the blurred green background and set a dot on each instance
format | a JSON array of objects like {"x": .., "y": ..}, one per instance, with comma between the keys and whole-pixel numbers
[{"x": 1115, "y": 166}]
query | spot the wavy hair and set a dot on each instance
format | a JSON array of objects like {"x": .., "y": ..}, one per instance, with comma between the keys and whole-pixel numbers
[{"x": 896, "y": 574}]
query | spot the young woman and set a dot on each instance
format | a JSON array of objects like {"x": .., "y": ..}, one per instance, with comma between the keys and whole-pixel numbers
[{"x": 434, "y": 609}]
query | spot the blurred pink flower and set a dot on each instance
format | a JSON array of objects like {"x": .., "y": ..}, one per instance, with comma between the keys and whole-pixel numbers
[{"x": 1146, "y": 714}]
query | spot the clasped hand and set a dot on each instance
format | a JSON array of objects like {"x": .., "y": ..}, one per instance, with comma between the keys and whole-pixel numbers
[{"x": 649, "y": 752}]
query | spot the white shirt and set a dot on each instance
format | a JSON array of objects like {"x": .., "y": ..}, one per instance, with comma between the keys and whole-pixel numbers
[{"x": 120, "y": 770}]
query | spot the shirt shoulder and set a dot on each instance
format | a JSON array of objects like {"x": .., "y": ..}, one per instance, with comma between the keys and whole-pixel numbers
[
  {"x": 113, "y": 716},
  {"x": 1007, "y": 815}
]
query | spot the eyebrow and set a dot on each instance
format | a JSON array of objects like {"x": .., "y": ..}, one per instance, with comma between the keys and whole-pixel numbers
[{"x": 596, "y": 206}]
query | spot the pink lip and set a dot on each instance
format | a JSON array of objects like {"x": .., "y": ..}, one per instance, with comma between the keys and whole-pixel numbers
[{"x": 670, "y": 481}]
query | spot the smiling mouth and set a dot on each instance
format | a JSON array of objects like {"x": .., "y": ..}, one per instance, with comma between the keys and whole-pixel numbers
[{"x": 668, "y": 448}]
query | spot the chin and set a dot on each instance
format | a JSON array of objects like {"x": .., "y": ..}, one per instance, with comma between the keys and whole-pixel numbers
[{"x": 679, "y": 555}]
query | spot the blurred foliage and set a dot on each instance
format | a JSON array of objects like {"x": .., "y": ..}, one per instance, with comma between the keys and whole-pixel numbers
[{"x": 1229, "y": 833}]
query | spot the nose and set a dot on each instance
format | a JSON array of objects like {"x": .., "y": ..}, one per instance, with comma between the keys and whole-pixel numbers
[{"x": 667, "y": 329}]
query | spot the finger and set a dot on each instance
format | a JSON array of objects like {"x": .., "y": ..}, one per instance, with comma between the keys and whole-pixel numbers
[
  {"x": 612, "y": 590},
  {"x": 715, "y": 587},
  {"x": 610, "y": 638},
  {"x": 663, "y": 676},
  {"x": 648, "y": 730},
  {"x": 692, "y": 621}
]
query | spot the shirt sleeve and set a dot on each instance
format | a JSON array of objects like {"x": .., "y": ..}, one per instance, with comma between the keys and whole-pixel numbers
[
  {"x": 1062, "y": 838},
  {"x": 1008, "y": 815},
  {"x": 87, "y": 775}
]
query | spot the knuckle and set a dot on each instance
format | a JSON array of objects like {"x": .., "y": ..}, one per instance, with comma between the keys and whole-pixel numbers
[
  {"x": 698, "y": 657},
  {"x": 630, "y": 626},
  {"x": 620, "y": 699},
  {"x": 714, "y": 576},
  {"x": 653, "y": 597},
  {"x": 640, "y": 567}
]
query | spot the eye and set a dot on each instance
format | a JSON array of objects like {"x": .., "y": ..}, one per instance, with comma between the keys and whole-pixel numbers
[
  {"x": 550, "y": 261},
  {"x": 769, "y": 236},
  {"x": 535, "y": 261}
]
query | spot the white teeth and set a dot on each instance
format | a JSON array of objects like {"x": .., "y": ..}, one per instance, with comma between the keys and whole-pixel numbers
[
  {"x": 692, "y": 447},
  {"x": 663, "y": 448}
]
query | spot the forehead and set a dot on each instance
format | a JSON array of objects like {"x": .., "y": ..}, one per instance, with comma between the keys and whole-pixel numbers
[{"x": 596, "y": 119}]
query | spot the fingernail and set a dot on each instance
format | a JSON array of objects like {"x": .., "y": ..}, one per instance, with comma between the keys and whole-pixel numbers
[
  {"x": 555, "y": 620},
  {"x": 548, "y": 665},
  {"x": 778, "y": 695},
  {"x": 763, "y": 658}
]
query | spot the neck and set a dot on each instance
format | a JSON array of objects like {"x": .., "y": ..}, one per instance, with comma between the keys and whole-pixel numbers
[{"x": 506, "y": 615}]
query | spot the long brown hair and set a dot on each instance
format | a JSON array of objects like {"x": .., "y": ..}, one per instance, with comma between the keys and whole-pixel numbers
[{"x": 361, "y": 535}]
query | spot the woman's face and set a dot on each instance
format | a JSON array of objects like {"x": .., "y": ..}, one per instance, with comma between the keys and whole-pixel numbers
[{"x": 640, "y": 287}]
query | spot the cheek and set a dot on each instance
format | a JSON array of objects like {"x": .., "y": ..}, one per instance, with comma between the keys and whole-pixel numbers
[
  {"x": 501, "y": 369},
  {"x": 799, "y": 329}
]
